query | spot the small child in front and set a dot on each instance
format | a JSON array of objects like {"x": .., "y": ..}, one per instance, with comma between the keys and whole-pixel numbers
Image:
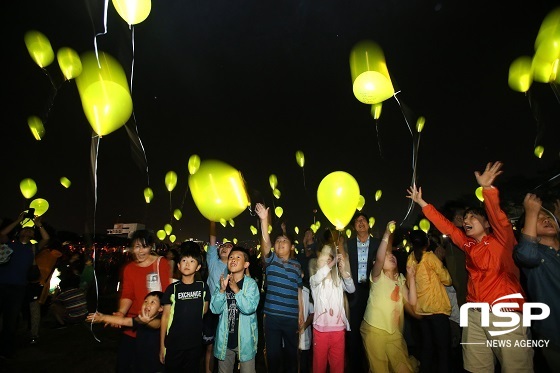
[
  {"x": 147, "y": 326},
  {"x": 236, "y": 300},
  {"x": 184, "y": 304}
]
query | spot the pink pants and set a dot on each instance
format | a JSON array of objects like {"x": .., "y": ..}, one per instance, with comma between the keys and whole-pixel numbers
[{"x": 328, "y": 349}]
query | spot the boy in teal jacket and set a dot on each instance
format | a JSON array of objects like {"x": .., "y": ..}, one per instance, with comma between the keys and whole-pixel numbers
[{"x": 236, "y": 300}]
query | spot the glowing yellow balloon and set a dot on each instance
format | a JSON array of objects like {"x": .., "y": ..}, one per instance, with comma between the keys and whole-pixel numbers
[
  {"x": 276, "y": 193},
  {"x": 40, "y": 205},
  {"x": 300, "y": 158},
  {"x": 361, "y": 203},
  {"x": 279, "y": 211},
  {"x": 231, "y": 223},
  {"x": 539, "y": 150},
  {"x": 253, "y": 229},
  {"x": 370, "y": 76},
  {"x": 170, "y": 180},
  {"x": 371, "y": 222},
  {"x": 148, "y": 195},
  {"x": 172, "y": 238},
  {"x": 348, "y": 233},
  {"x": 161, "y": 234},
  {"x": 314, "y": 228},
  {"x": 543, "y": 70},
  {"x": 420, "y": 124},
  {"x": 69, "y": 62},
  {"x": 296, "y": 229},
  {"x": 36, "y": 126},
  {"x": 28, "y": 223},
  {"x": 550, "y": 28},
  {"x": 65, "y": 182},
  {"x": 133, "y": 11},
  {"x": 392, "y": 227},
  {"x": 104, "y": 92},
  {"x": 223, "y": 222},
  {"x": 273, "y": 181},
  {"x": 218, "y": 190},
  {"x": 338, "y": 195},
  {"x": 415, "y": 228},
  {"x": 424, "y": 225},
  {"x": 269, "y": 229},
  {"x": 478, "y": 194},
  {"x": 39, "y": 48},
  {"x": 376, "y": 110},
  {"x": 28, "y": 187},
  {"x": 177, "y": 214},
  {"x": 168, "y": 229},
  {"x": 194, "y": 164},
  {"x": 520, "y": 75},
  {"x": 378, "y": 195},
  {"x": 318, "y": 224}
]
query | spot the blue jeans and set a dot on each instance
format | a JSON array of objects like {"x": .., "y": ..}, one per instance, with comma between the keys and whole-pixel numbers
[{"x": 277, "y": 331}]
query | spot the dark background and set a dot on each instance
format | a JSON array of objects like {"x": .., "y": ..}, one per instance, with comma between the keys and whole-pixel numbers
[{"x": 252, "y": 82}]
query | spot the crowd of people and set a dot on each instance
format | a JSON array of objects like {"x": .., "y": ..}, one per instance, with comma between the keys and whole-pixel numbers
[{"x": 452, "y": 299}]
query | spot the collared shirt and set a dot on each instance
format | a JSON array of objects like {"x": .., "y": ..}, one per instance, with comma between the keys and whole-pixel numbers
[{"x": 362, "y": 260}]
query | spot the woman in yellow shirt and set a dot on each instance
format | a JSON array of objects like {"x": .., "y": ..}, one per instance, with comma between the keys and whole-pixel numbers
[{"x": 432, "y": 304}]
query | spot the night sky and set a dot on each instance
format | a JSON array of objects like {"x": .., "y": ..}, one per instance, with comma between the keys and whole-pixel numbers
[{"x": 250, "y": 83}]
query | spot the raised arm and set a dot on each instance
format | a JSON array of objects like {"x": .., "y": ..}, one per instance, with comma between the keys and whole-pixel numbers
[
  {"x": 491, "y": 172},
  {"x": 7, "y": 229},
  {"x": 266, "y": 245},
  {"x": 212, "y": 233},
  {"x": 415, "y": 194},
  {"x": 532, "y": 205},
  {"x": 38, "y": 220},
  {"x": 381, "y": 252}
]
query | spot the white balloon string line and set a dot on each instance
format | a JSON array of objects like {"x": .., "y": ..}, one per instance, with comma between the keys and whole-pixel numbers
[
  {"x": 378, "y": 138},
  {"x": 96, "y": 293},
  {"x": 132, "y": 64},
  {"x": 94, "y": 157},
  {"x": 549, "y": 181},
  {"x": 105, "y": 6},
  {"x": 303, "y": 175},
  {"x": 554, "y": 88}
]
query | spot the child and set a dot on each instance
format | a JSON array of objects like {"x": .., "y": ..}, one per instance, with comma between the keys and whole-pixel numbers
[
  {"x": 305, "y": 336},
  {"x": 235, "y": 300},
  {"x": 283, "y": 305},
  {"x": 383, "y": 322},
  {"x": 70, "y": 305},
  {"x": 184, "y": 304},
  {"x": 330, "y": 322},
  {"x": 147, "y": 325}
]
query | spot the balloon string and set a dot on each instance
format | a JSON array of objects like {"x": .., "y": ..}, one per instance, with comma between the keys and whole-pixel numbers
[
  {"x": 96, "y": 292},
  {"x": 554, "y": 87},
  {"x": 105, "y": 7},
  {"x": 95, "y": 139},
  {"x": 378, "y": 138},
  {"x": 303, "y": 175},
  {"x": 132, "y": 64}
]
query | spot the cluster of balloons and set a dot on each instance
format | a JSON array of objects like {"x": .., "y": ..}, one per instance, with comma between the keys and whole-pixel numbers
[{"x": 543, "y": 65}]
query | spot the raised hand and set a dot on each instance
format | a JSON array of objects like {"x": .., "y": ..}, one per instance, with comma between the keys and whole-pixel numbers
[
  {"x": 261, "y": 211},
  {"x": 490, "y": 173},
  {"x": 415, "y": 194}
]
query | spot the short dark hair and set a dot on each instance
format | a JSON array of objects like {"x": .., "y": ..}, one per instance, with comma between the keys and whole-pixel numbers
[
  {"x": 242, "y": 250},
  {"x": 144, "y": 236},
  {"x": 155, "y": 293},
  {"x": 480, "y": 211},
  {"x": 358, "y": 214},
  {"x": 190, "y": 249}
]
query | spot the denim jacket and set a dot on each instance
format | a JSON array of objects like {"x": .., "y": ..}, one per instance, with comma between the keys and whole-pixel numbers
[{"x": 247, "y": 301}]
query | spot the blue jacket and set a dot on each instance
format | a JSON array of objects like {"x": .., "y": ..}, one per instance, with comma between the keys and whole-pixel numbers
[{"x": 247, "y": 301}]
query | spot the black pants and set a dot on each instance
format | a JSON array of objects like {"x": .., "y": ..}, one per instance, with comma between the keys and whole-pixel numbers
[{"x": 436, "y": 344}]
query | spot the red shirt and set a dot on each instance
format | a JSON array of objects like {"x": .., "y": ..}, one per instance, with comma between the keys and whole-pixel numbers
[
  {"x": 492, "y": 271},
  {"x": 134, "y": 286}
]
